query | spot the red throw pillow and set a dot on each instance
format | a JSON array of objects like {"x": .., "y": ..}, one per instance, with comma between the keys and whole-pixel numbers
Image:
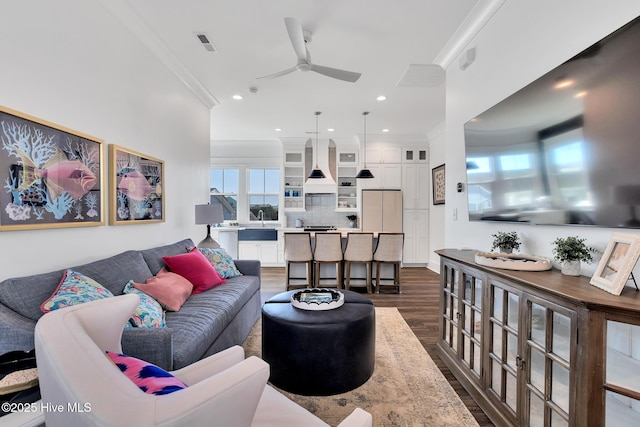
[
  {"x": 194, "y": 267},
  {"x": 171, "y": 290}
]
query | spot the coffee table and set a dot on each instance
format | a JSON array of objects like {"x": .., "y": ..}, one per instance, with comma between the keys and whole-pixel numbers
[{"x": 319, "y": 353}]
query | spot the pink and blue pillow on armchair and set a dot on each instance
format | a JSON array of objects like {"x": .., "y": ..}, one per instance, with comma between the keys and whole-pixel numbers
[{"x": 148, "y": 377}]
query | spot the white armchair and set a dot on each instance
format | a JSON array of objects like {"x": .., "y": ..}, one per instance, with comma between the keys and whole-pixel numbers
[{"x": 80, "y": 386}]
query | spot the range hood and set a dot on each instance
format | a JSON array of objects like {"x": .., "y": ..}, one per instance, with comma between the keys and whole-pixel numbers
[{"x": 327, "y": 184}]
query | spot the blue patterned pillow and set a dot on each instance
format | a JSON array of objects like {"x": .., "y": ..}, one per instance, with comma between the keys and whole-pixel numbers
[
  {"x": 74, "y": 288},
  {"x": 149, "y": 313},
  {"x": 221, "y": 262}
]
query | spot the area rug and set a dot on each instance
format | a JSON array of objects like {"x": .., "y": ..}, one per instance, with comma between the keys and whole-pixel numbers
[{"x": 406, "y": 390}]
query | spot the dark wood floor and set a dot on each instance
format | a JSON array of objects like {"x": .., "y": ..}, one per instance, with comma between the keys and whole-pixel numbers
[{"x": 418, "y": 304}]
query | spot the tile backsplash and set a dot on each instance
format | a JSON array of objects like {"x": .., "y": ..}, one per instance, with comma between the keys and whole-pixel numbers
[{"x": 320, "y": 210}]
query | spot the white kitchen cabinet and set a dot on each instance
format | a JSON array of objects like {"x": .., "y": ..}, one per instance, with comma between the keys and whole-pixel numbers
[
  {"x": 293, "y": 179},
  {"x": 415, "y": 155},
  {"x": 415, "y": 185},
  {"x": 385, "y": 176},
  {"x": 415, "y": 225},
  {"x": 263, "y": 250},
  {"x": 384, "y": 154}
]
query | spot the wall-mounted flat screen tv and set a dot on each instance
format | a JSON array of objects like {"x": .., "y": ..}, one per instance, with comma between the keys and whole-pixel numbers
[{"x": 566, "y": 148}]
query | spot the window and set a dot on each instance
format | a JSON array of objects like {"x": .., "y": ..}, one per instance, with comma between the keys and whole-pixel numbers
[
  {"x": 264, "y": 193},
  {"x": 223, "y": 187}
]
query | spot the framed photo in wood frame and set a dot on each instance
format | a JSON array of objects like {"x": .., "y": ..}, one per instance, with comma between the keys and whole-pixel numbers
[
  {"x": 617, "y": 263},
  {"x": 438, "y": 180},
  {"x": 136, "y": 187},
  {"x": 51, "y": 176}
]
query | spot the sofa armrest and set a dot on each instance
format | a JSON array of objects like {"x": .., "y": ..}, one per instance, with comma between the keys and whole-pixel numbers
[
  {"x": 248, "y": 267},
  {"x": 16, "y": 331},
  {"x": 153, "y": 345}
]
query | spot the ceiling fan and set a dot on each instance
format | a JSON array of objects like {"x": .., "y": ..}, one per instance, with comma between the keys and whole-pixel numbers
[{"x": 299, "y": 39}]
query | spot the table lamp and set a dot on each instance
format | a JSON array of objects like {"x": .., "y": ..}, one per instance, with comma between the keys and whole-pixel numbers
[{"x": 209, "y": 214}]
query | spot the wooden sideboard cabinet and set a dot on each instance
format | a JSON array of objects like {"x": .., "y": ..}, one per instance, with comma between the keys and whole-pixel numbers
[{"x": 540, "y": 348}]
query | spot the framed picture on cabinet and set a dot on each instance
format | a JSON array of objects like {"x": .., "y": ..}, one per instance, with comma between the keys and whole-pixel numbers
[
  {"x": 617, "y": 263},
  {"x": 51, "y": 176},
  {"x": 136, "y": 187},
  {"x": 437, "y": 178}
]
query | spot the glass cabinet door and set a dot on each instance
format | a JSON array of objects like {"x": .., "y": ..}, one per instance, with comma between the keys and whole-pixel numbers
[
  {"x": 504, "y": 356},
  {"x": 622, "y": 374},
  {"x": 548, "y": 356},
  {"x": 450, "y": 314},
  {"x": 471, "y": 323}
]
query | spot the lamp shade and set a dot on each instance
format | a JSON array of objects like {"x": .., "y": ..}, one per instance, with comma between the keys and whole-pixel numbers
[
  {"x": 316, "y": 174},
  {"x": 209, "y": 214},
  {"x": 364, "y": 173}
]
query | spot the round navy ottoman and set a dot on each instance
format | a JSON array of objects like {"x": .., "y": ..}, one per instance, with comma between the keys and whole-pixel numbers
[{"x": 319, "y": 353}]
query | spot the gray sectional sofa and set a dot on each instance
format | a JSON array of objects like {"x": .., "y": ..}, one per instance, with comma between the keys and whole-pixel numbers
[{"x": 207, "y": 323}]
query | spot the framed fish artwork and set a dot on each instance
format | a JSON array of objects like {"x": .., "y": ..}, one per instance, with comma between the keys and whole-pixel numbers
[
  {"x": 50, "y": 176},
  {"x": 136, "y": 184}
]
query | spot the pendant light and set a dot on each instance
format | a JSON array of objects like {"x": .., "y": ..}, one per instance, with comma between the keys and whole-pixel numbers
[
  {"x": 364, "y": 172},
  {"x": 316, "y": 173}
]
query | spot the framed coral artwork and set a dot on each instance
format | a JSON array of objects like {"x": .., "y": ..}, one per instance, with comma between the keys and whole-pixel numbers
[
  {"x": 135, "y": 187},
  {"x": 51, "y": 176}
]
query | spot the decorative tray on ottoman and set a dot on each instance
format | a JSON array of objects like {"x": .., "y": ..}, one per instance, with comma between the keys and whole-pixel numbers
[{"x": 317, "y": 299}]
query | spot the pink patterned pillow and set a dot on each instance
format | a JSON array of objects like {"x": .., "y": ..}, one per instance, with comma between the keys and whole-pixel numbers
[
  {"x": 148, "y": 377},
  {"x": 171, "y": 290}
]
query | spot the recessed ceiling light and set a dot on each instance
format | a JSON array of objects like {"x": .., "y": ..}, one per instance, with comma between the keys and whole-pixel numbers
[
  {"x": 381, "y": 98},
  {"x": 385, "y": 130},
  {"x": 563, "y": 84},
  {"x": 330, "y": 130},
  {"x": 580, "y": 94},
  {"x": 237, "y": 97},
  {"x": 278, "y": 130}
]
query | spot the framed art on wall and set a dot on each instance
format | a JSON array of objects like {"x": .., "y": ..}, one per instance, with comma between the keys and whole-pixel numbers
[
  {"x": 136, "y": 184},
  {"x": 617, "y": 263},
  {"x": 51, "y": 176},
  {"x": 437, "y": 178}
]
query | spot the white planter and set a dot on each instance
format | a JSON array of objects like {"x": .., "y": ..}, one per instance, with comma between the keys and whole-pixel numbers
[
  {"x": 571, "y": 268},
  {"x": 506, "y": 250}
]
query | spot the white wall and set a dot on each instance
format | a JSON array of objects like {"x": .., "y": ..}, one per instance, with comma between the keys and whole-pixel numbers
[
  {"x": 72, "y": 63},
  {"x": 521, "y": 42},
  {"x": 437, "y": 155}
]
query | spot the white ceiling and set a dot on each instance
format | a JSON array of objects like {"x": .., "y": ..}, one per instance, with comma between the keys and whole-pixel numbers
[{"x": 378, "y": 38}]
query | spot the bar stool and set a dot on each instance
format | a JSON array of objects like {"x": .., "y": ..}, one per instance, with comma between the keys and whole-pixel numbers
[
  {"x": 359, "y": 250},
  {"x": 297, "y": 250},
  {"x": 328, "y": 250},
  {"x": 389, "y": 251}
]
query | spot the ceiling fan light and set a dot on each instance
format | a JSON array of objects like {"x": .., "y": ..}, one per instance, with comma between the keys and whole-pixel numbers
[
  {"x": 316, "y": 174},
  {"x": 364, "y": 174}
]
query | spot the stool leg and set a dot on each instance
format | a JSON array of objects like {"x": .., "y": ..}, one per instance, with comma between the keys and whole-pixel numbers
[
  {"x": 288, "y": 275},
  {"x": 378, "y": 277},
  {"x": 339, "y": 274},
  {"x": 347, "y": 280},
  {"x": 316, "y": 278},
  {"x": 310, "y": 274},
  {"x": 369, "y": 267},
  {"x": 398, "y": 275}
]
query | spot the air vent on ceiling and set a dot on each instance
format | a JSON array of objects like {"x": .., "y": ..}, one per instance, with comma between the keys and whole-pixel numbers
[
  {"x": 422, "y": 75},
  {"x": 205, "y": 42}
]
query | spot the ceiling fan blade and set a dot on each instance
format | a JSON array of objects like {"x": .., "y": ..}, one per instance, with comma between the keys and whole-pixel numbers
[
  {"x": 297, "y": 38},
  {"x": 278, "y": 74},
  {"x": 347, "y": 76}
]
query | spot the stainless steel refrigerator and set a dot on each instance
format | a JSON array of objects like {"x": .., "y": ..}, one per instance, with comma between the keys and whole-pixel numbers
[{"x": 382, "y": 211}]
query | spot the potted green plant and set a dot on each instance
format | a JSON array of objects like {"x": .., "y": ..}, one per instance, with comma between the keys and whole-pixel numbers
[
  {"x": 505, "y": 241},
  {"x": 570, "y": 251}
]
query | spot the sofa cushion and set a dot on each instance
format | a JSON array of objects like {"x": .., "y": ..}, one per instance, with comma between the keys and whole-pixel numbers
[
  {"x": 171, "y": 290},
  {"x": 148, "y": 313},
  {"x": 195, "y": 268},
  {"x": 206, "y": 315},
  {"x": 221, "y": 261},
  {"x": 74, "y": 288},
  {"x": 147, "y": 376},
  {"x": 153, "y": 256}
]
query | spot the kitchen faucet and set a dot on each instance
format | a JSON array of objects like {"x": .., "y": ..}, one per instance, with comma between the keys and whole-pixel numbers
[{"x": 261, "y": 216}]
